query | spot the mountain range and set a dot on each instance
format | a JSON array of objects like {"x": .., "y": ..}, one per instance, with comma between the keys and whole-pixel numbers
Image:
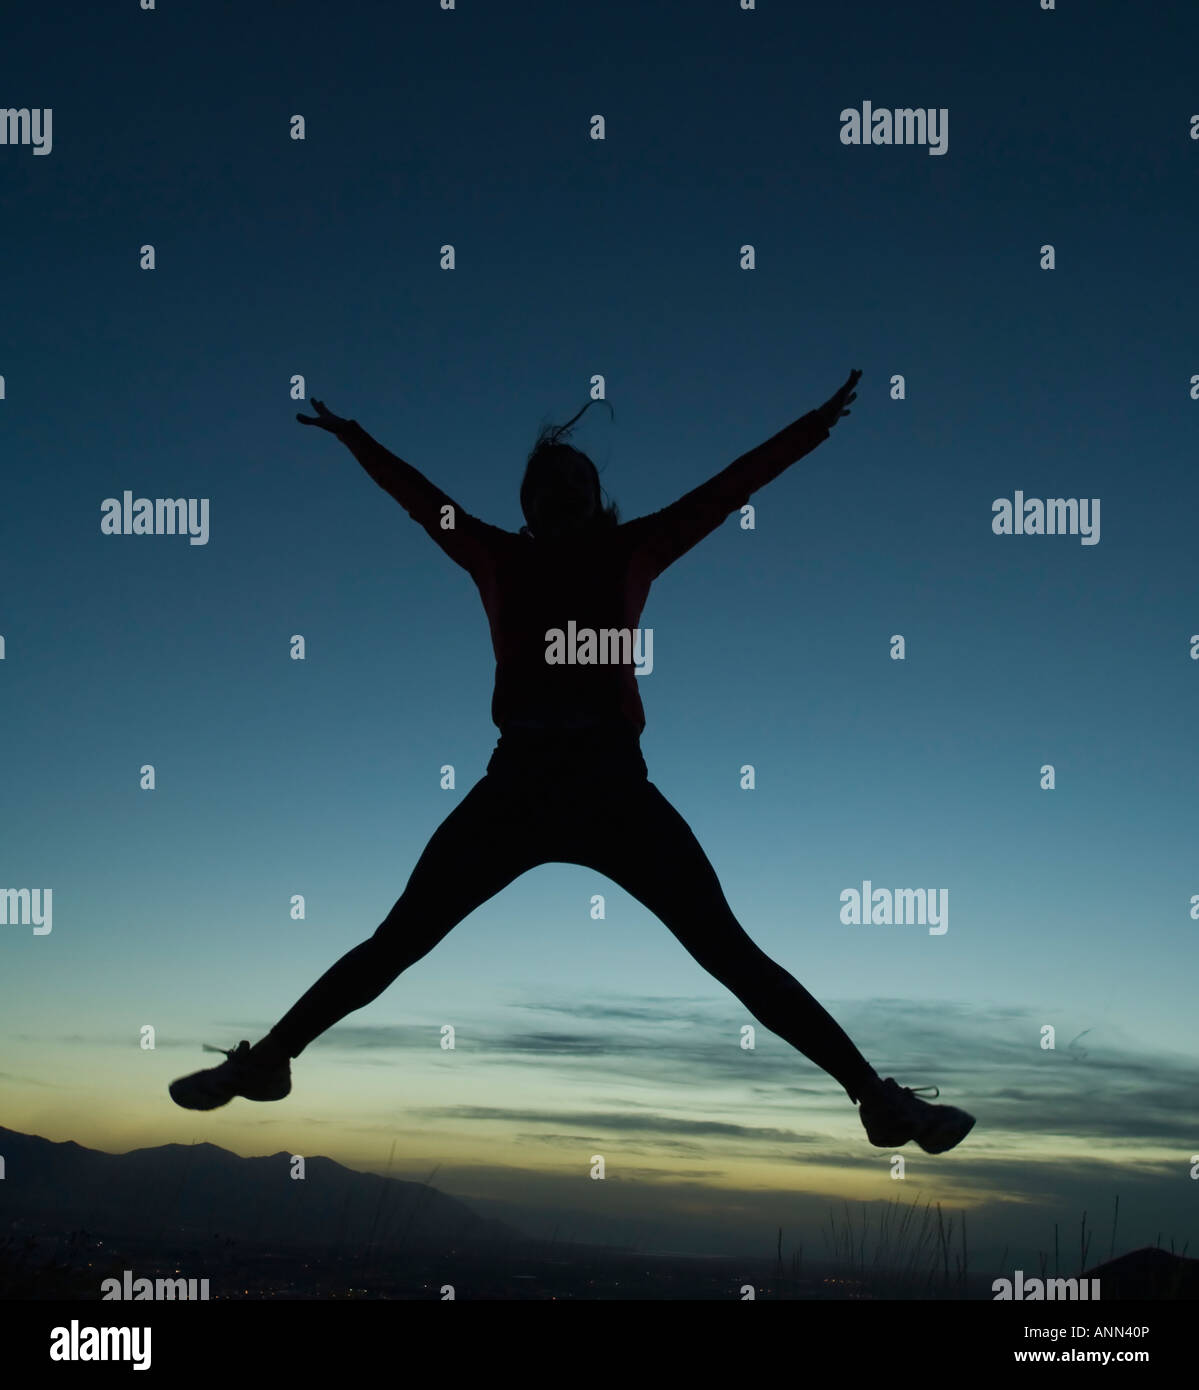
[{"x": 201, "y": 1189}]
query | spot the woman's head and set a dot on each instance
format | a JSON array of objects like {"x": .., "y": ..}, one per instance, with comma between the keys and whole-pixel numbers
[{"x": 561, "y": 493}]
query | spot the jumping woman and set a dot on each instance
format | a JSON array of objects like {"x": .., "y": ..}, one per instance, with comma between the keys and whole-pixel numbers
[{"x": 566, "y": 782}]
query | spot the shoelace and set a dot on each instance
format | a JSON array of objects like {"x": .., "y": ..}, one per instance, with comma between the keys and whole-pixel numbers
[
  {"x": 242, "y": 1054},
  {"x": 910, "y": 1091}
]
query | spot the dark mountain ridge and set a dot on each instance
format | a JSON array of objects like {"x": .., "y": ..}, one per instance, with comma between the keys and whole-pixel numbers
[{"x": 201, "y": 1189}]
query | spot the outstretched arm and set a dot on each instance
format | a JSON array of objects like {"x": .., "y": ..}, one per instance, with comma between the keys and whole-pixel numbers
[
  {"x": 667, "y": 534},
  {"x": 460, "y": 535}
]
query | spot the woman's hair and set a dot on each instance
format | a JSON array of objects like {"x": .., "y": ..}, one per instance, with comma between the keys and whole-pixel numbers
[{"x": 549, "y": 451}]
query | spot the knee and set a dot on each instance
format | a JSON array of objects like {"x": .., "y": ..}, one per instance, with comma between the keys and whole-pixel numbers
[
  {"x": 388, "y": 935},
  {"x": 408, "y": 930}
]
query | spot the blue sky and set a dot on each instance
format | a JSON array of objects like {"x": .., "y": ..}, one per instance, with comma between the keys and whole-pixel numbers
[{"x": 320, "y": 257}]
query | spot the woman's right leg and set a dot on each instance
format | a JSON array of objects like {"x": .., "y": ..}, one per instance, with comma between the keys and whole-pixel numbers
[{"x": 488, "y": 840}]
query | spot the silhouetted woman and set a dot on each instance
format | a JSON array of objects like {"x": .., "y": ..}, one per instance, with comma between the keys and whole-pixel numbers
[{"x": 567, "y": 782}]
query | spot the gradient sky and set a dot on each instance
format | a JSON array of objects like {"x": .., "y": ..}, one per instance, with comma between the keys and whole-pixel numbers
[{"x": 319, "y": 257}]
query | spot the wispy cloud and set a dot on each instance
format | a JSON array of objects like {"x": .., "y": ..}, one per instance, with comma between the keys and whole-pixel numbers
[
  {"x": 985, "y": 1058},
  {"x": 685, "y": 1049},
  {"x": 610, "y": 1121}
]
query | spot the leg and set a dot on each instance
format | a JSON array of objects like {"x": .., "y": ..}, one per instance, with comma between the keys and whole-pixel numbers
[
  {"x": 651, "y": 852},
  {"x": 482, "y": 845}
]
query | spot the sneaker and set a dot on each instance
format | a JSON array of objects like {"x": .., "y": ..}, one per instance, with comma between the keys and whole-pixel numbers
[
  {"x": 239, "y": 1075},
  {"x": 894, "y": 1114}
]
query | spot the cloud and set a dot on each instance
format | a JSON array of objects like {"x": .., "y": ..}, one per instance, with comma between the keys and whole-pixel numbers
[
  {"x": 623, "y": 1122},
  {"x": 986, "y": 1058},
  {"x": 654, "y": 1008},
  {"x": 679, "y": 1148}
]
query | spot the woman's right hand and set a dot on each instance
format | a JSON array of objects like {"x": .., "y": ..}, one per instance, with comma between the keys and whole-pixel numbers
[{"x": 323, "y": 417}]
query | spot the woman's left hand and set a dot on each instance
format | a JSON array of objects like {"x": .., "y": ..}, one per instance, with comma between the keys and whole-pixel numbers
[{"x": 836, "y": 407}]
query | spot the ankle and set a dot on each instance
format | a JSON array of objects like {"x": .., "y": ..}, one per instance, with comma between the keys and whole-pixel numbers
[
  {"x": 868, "y": 1087},
  {"x": 270, "y": 1052}
]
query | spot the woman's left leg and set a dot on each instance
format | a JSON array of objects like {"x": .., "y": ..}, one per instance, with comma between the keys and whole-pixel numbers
[{"x": 652, "y": 853}]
